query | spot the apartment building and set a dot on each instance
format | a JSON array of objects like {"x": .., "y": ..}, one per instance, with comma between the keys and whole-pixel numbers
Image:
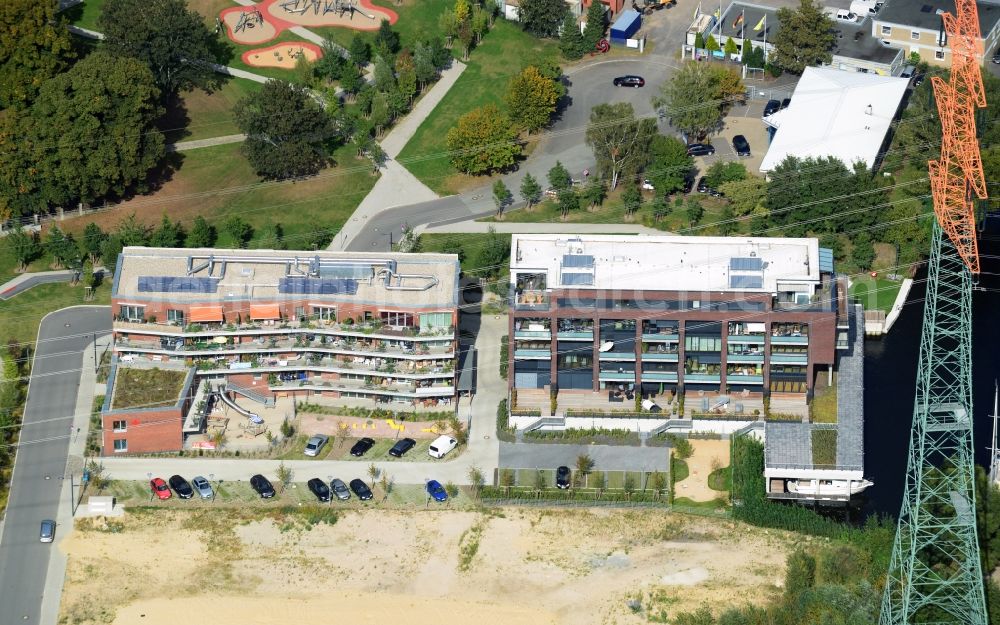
[
  {"x": 606, "y": 315},
  {"x": 343, "y": 328},
  {"x": 916, "y": 26}
]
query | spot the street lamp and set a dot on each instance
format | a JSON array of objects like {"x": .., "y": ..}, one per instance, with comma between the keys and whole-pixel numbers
[{"x": 211, "y": 478}]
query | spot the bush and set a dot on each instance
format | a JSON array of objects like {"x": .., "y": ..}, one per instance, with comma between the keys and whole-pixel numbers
[
  {"x": 504, "y": 431},
  {"x": 504, "y": 355},
  {"x": 682, "y": 447}
]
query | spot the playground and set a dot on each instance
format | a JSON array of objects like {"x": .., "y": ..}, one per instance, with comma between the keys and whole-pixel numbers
[
  {"x": 282, "y": 55},
  {"x": 260, "y": 23}
]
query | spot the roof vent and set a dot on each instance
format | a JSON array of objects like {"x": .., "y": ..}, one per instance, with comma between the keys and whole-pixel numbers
[{"x": 868, "y": 110}]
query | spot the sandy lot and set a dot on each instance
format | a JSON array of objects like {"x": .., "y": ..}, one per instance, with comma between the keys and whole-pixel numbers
[
  {"x": 706, "y": 452},
  {"x": 369, "y": 20},
  {"x": 254, "y": 32},
  {"x": 513, "y": 567},
  {"x": 282, "y": 55}
]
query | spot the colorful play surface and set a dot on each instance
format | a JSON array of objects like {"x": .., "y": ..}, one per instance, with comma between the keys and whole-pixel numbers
[
  {"x": 262, "y": 22},
  {"x": 283, "y": 55}
]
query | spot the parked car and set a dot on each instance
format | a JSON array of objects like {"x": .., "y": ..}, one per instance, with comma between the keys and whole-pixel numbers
[
  {"x": 700, "y": 149},
  {"x": 315, "y": 444},
  {"x": 361, "y": 447},
  {"x": 702, "y": 185},
  {"x": 436, "y": 491},
  {"x": 203, "y": 487},
  {"x": 361, "y": 489},
  {"x": 647, "y": 185},
  {"x": 402, "y": 446},
  {"x": 630, "y": 81},
  {"x": 772, "y": 107},
  {"x": 908, "y": 71},
  {"x": 263, "y": 487},
  {"x": 996, "y": 56},
  {"x": 48, "y": 531},
  {"x": 160, "y": 488},
  {"x": 785, "y": 103},
  {"x": 181, "y": 487},
  {"x": 562, "y": 477},
  {"x": 319, "y": 488},
  {"x": 741, "y": 145},
  {"x": 441, "y": 446},
  {"x": 340, "y": 489},
  {"x": 688, "y": 184}
]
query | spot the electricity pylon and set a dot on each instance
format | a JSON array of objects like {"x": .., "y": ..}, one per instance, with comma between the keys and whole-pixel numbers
[{"x": 935, "y": 574}]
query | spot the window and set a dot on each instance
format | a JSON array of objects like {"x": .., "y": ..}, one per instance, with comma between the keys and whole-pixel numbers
[
  {"x": 397, "y": 319},
  {"x": 887, "y": 31},
  {"x": 132, "y": 313},
  {"x": 118, "y": 426},
  {"x": 121, "y": 445},
  {"x": 939, "y": 54},
  {"x": 300, "y": 312},
  {"x": 175, "y": 316},
  {"x": 915, "y": 35},
  {"x": 433, "y": 321},
  {"x": 326, "y": 313}
]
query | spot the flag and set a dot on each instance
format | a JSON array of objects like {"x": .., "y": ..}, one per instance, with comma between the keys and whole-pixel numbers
[
  {"x": 697, "y": 11},
  {"x": 738, "y": 21},
  {"x": 760, "y": 24},
  {"x": 717, "y": 13}
]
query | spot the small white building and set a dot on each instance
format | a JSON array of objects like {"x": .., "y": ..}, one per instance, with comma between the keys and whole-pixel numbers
[{"x": 846, "y": 115}]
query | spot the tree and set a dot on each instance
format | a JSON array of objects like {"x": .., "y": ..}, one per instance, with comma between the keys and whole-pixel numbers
[
  {"x": 359, "y": 50},
  {"x": 595, "y": 192},
  {"x": 90, "y": 133},
  {"x": 819, "y": 195},
  {"x": 699, "y": 41},
  {"x": 669, "y": 164},
  {"x": 584, "y": 464},
  {"x": 406, "y": 75},
  {"x": 23, "y": 246},
  {"x": 271, "y": 236},
  {"x": 721, "y": 172},
  {"x": 494, "y": 254},
  {"x": 452, "y": 246},
  {"x": 467, "y": 36},
  {"x": 800, "y": 573},
  {"x": 35, "y": 46},
  {"x": 507, "y": 479},
  {"x": 476, "y": 479},
  {"x": 698, "y": 96},
  {"x": 754, "y": 56},
  {"x": 660, "y": 208},
  {"x": 531, "y": 99},
  {"x": 93, "y": 239},
  {"x": 571, "y": 41},
  {"x": 170, "y": 39},
  {"x": 695, "y": 211},
  {"x": 597, "y": 23},
  {"x": 620, "y": 141},
  {"x": 352, "y": 80},
  {"x": 730, "y": 49},
  {"x": 304, "y": 72},
  {"x": 131, "y": 231},
  {"x": 501, "y": 196},
  {"x": 169, "y": 234},
  {"x": 110, "y": 250},
  {"x": 483, "y": 140},
  {"x": 386, "y": 39},
  {"x": 424, "y": 67},
  {"x": 632, "y": 200},
  {"x": 372, "y": 469},
  {"x": 202, "y": 234},
  {"x": 61, "y": 247},
  {"x": 287, "y": 131},
  {"x": 458, "y": 430},
  {"x": 568, "y": 201},
  {"x": 238, "y": 229},
  {"x": 559, "y": 178},
  {"x": 863, "y": 252},
  {"x": 480, "y": 22},
  {"x": 542, "y": 17},
  {"x": 448, "y": 24},
  {"x": 531, "y": 191},
  {"x": 285, "y": 475},
  {"x": 711, "y": 44},
  {"x": 727, "y": 221},
  {"x": 331, "y": 65},
  {"x": 805, "y": 37},
  {"x": 746, "y": 197},
  {"x": 383, "y": 77}
]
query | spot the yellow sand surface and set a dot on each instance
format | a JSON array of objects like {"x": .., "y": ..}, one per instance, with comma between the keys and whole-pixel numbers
[
  {"x": 282, "y": 56},
  {"x": 249, "y": 36}
]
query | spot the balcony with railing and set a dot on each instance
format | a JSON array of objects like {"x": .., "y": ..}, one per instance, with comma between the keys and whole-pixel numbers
[
  {"x": 789, "y": 334},
  {"x": 662, "y": 352},
  {"x": 526, "y": 328},
  {"x": 346, "y": 328},
  {"x": 824, "y": 299},
  {"x": 660, "y": 330},
  {"x": 744, "y": 353},
  {"x": 697, "y": 370},
  {"x": 530, "y": 292},
  {"x": 575, "y": 329},
  {"x": 745, "y": 374}
]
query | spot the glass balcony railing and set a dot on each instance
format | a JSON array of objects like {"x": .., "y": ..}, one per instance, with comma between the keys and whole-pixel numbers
[
  {"x": 790, "y": 359},
  {"x": 660, "y": 357},
  {"x": 616, "y": 376},
  {"x": 746, "y": 339},
  {"x": 746, "y": 357},
  {"x": 789, "y": 339},
  {"x": 532, "y": 354},
  {"x": 740, "y": 378},
  {"x": 314, "y": 326},
  {"x": 702, "y": 377},
  {"x": 618, "y": 356},
  {"x": 659, "y": 376}
]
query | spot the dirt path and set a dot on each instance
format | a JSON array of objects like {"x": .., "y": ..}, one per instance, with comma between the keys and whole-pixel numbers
[
  {"x": 695, "y": 486},
  {"x": 550, "y": 567}
]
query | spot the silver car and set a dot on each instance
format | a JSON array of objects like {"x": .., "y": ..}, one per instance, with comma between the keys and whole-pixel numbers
[
  {"x": 203, "y": 488},
  {"x": 48, "y": 531},
  {"x": 315, "y": 444},
  {"x": 340, "y": 489}
]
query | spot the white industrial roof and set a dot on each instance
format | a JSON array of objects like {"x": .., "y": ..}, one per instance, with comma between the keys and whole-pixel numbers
[
  {"x": 668, "y": 263},
  {"x": 835, "y": 113}
]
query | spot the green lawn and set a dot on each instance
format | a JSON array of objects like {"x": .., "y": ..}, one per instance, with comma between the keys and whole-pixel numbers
[
  {"x": 502, "y": 54},
  {"x": 202, "y": 115},
  {"x": 679, "y": 470},
  {"x": 147, "y": 387},
  {"x": 721, "y": 479},
  {"x": 824, "y": 404},
  {"x": 85, "y": 14},
  {"x": 824, "y": 448},
  {"x": 20, "y": 315},
  {"x": 875, "y": 293},
  {"x": 471, "y": 244},
  {"x": 418, "y": 19}
]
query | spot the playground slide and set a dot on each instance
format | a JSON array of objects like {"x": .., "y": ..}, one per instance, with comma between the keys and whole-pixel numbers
[{"x": 253, "y": 416}]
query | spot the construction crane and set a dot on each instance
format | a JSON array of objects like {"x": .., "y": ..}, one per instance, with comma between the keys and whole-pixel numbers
[{"x": 935, "y": 574}]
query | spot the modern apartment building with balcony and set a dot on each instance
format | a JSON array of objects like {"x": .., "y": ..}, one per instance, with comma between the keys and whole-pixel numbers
[
  {"x": 343, "y": 328},
  {"x": 598, "y": 319}
]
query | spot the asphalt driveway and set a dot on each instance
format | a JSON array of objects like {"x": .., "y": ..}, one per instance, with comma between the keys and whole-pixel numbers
[{"x": 606, "y": 457}]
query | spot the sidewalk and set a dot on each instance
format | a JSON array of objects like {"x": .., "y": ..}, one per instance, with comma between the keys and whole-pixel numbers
[
  {"x": 397, "y": 186},
  {"x": 516, "y": 227},
  {"x": 28, "y": 279},
  {"x": 181, "y": 146}
]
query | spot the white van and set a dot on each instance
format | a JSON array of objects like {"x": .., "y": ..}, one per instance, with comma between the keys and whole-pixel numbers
[
  {"x": 846, "y": 16},
  {"x": 441, "y": 446}
]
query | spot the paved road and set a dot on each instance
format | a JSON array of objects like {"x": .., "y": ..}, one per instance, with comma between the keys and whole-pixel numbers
[
  {"x": 606, "y": 457},
  {"x": 41, "y": 460}
]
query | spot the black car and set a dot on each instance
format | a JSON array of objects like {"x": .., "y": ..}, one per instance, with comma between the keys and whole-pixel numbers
[
  {"x": 785, "y": 103},
  {"x": 996, "y": 57},
  {"x": 319, "y": 488},
  {"x": 361, "y": 447},
  {"x": 263, "y": 487},
  {"x": 562, "y": 477},
  {"x": 772, "y": 106},
  {"x": 630, "y": 81},
  {"x": 702, "y": 185},
  {"x": 688, "y": 184},
  {"x": 181, "y": 487},
  {"x": 700, "y": 149},
  {"x": 361, "y": 490},
  {"x": 402, "y": 446},
  {"x": 741, "y": 145}
]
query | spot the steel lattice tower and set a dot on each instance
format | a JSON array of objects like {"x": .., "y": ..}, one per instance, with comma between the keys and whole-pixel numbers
[{"x": 935, "y": 574}]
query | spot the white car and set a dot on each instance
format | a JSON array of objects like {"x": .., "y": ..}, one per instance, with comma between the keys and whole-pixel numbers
[
  {"x": 441, "y": 446},
  {"x": 315, "y": 444},
  {"x": 647, "y": 185},
  {"x": 202, "y": 487}
]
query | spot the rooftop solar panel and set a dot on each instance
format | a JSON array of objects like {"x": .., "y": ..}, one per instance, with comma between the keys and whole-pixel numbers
[
  {"x": 578, "y": 260},
  {"x": 578, "y": 278},
  {"x": 745, "y": 264},
  {"x": 746, "y": 282},
  {"x": 317, "y": 286},
  {"x": 177, "y": 284}
]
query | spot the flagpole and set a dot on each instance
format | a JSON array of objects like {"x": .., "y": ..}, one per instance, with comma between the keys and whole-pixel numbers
[{"x": 765, "y": 39}]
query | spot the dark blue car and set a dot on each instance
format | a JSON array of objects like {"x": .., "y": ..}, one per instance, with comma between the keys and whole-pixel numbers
[{"x": 435, "y": 490}]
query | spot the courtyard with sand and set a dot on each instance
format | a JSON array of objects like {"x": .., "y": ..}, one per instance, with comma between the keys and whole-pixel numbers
[
  {"x": 512, "y": 566},
  {"x": 282, "y": 55},
  {"x": 262, "y": 22}
]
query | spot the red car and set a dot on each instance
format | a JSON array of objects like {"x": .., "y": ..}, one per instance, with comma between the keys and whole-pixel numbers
[{"x": 160, "y": 488}]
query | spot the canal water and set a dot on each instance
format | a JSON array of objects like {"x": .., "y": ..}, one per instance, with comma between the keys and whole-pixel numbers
[{"x": 890, "y": 372}]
